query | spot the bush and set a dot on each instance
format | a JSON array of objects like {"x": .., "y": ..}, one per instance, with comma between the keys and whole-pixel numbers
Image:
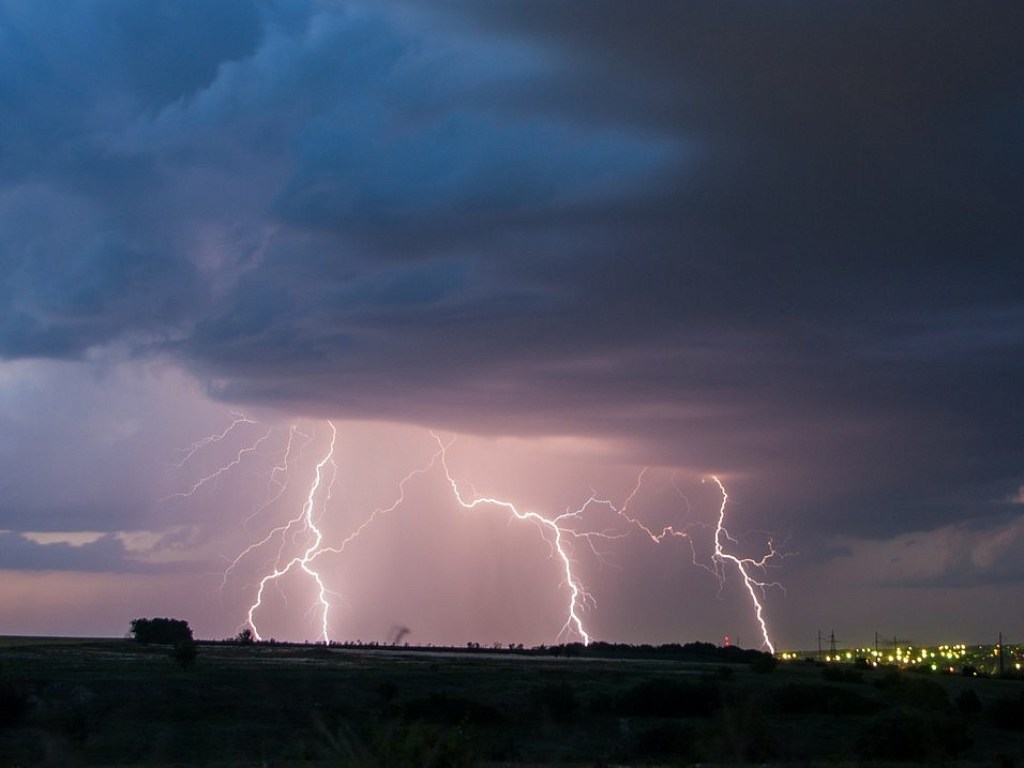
[
  {"x": 451, "y": 710},
  {"x": 902, "y": 734},
  {"x": 918, "y": 693},
  {"x": 663, "y": 740},
  {"x": 765, "y": 664},
  {"x": 424, "y": 746},
  {"x": 896, "y": 735},
  {"x": 14, "y": 704},
  {"x": 669, "y": 698},
  {"x": 1008, "y": 713},
  {"x": 836, "y": 673},
  {"x": 799, "y": 699},
  {"x": 558, "y": 700},
  {"x": 967, "y": 702},
  {"x": 245, "y": 637},
  {"x": 741, "y": 735},
  {"x": 185, "y": 654}
]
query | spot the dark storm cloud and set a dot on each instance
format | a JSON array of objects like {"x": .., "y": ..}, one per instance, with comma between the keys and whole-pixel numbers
[
  {"x": 107, "y": 554},
  {"x": 777, "y": 239}
]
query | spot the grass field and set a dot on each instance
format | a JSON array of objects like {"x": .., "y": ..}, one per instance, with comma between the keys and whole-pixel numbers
[{"x": 114, "y": 702}]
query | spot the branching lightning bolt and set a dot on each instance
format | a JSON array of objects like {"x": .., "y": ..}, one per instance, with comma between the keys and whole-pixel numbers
[
  {"x": 719, "y": 557},
  {"x": 239, "y": 457},
  {"x": 279, "y": 474},
  {"x": 623, "y": 512},
  {"x": 307, "y": 520},
  {"x": 380, "y": 511},
  {"x": 237, "y": 418},
  {"x": 744, "y": 566},
  {"x": 559, "y": 531},
  {"x": 553, "y": 527}
]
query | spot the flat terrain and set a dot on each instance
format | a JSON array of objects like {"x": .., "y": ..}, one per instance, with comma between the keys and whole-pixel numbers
[{"x": 114, "y": 702}]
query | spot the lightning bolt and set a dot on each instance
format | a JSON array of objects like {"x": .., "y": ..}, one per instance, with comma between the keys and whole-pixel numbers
[
  {"x": 306, "y": 520},
  {"x": 744, "y": 566},
  {"x": 549, "y": 527},
  {"x": 559, "y": 531},
  {"x": 720, "y": 557},
  {"x": 237, "y": 418},
  {"x": 279, "y": 473},
  {"x": 279, "y": 478},
  {"x": 623, "y": 512},
  {"x": 380, "y": 511},
  {"x": 239, "y": 457}
]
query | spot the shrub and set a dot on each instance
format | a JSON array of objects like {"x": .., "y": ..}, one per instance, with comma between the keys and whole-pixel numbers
[
  {"x": 918, "y": 693},
  {"x": 895, "y": 735},
  {"x": 185, "y": 654},
  {"x": 741, "y": 734},
  {"x": 836, "y": 673},
  {"x": 451, "y": 710},
  {"x": 669, "y": 698},
  {"x": 666, "y": 739},
  {"x": 558, "y": 700},
  {"x": 1008, "y": 713},
  {"x": 903, "y": 734},
  {"x": 967, "y": 702},
  {"x": 811, "y": 699},
  {"x": 14, "y": 704},
  {"x": 765, "y": 664},
  {"x": 424, "y": 746},
  {"x": 245, "y": 637}
]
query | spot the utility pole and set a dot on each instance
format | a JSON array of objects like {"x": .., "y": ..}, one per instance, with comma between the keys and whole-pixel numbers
[
  {"x": 832, "y": 644},
  {"x": 819, "y": 645},
  {"x": 1000, "y": 649}
]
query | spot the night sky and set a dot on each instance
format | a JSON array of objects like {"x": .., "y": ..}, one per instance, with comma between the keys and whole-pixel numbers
[{"x": 776, "y": 243}]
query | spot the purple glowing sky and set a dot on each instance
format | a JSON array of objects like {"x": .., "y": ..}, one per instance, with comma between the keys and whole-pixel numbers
[{"x": 774, "y": 243}]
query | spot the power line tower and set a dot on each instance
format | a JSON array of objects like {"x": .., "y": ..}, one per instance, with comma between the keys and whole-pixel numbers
[{"x": 832, "y": 644}]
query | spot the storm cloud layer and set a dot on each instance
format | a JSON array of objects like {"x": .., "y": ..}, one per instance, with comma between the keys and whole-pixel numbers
[{"x": 776, "y": 241}]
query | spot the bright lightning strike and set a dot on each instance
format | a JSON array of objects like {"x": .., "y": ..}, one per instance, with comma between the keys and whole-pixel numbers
[
  {"x": 744, "y": 566},
  {"x": 623, "y": 512},
  {"x": 558, "y": 531},
  {"x": 279, "y": 474},
  {"x": 720, "y": 556},
  {"x": 307, "y": 521},
  {"x": 380, "y": 511},
  {"x": 553, "y": 527}
]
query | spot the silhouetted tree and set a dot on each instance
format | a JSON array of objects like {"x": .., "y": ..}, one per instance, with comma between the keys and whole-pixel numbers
[
  {"x": 161, "y": 631},
  {"x": 558, "y": 700},
  {"x": 765, "y": 664},
  {"x": 14, "y": 703},
  {"x": 1008, "y": 713},
  {"x": 968, "y": 702},
  {"x": 185, "y": 654},
  {"x": 245, "y": 637}
]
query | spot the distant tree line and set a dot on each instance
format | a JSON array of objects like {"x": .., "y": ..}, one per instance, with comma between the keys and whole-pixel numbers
[{"x": 696, "y": 651}]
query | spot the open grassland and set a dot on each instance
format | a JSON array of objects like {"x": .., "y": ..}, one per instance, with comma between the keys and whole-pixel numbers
[
  {"x": 114, "y": 702},
  {"x": 13, "y": 641}
]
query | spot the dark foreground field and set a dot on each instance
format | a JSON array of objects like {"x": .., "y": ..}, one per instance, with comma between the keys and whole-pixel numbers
[{"x": 119, "y": 703}]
